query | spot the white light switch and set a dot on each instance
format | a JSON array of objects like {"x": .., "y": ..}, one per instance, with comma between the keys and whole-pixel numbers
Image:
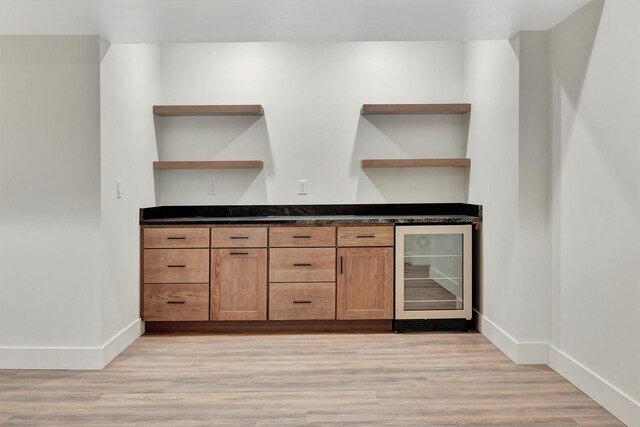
[
  {"x": 119, "y": 189},
  {"x": 302, "y": 186},
  {"x": 212, "y": 188}
]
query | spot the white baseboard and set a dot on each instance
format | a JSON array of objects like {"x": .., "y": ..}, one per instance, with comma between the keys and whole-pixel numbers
[
  {"x": 606, "y": 394},
  {"x": 522, "y": 353},
  {"x": 121, "y": 341},
  {"x": 70, "y": 357},
  {"x": 50, "y": 358}
]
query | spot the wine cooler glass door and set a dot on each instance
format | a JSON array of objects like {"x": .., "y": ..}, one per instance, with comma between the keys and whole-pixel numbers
[{"x": 433, "y": 267}]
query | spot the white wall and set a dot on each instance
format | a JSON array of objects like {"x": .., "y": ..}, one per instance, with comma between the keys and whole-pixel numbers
[
  {"x": 491, "y": 85},
  {"x": 312, "y": 128},
  {"x": 49, "y": 199},
  {"x": 69, "y": 250},
  {"x": 595, "y": 64},
  {"x": 534, "y": 166},
  {"x": 129, "y": 85},
  {"x": 560, "y": 262}
]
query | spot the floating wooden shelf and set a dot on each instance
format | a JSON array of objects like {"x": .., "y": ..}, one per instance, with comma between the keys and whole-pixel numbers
[
  {"x": 372, "y": 109},
  {"x": 416, "y": 163},
  {"x": 216, "y": 164},
  {"x": 208, "y": 110}
]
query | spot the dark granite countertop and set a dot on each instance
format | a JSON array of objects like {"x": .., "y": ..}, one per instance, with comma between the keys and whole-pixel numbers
[
  {"x": 424, "y": 213},
  {"x": 324, "y": 219}
]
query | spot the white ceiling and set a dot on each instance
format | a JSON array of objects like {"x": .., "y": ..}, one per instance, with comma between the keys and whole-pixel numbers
[{"x": 163, "y": 21}]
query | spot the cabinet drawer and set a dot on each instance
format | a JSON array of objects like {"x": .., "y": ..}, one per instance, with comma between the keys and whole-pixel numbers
[
  {"x": 302, "y": 265},
  {"x": 295, "y": 237},
  {"x": 302, "y": 301},
  {"x": 239, "y": 237},
  {"x": 176, "y": 302},
  {"x": 176, "y": 266},
  {"x": 176, "y": 237},
  {"x": 365, "y": 236}
]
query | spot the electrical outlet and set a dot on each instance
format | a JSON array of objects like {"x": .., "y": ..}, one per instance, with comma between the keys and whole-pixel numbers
[
  {"x": 212, "y": 189},
  {"x": 119, "y": 188},
  {"x": 302, "y": 186}
]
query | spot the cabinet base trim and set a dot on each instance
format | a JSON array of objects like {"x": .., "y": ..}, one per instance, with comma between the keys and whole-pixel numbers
[{"x": 271, "y": 326}]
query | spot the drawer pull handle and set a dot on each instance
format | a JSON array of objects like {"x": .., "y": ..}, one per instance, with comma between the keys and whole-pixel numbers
[
  {"x": 301, "y": 237},
  {"x": 175, "y": 302},
  {"x": 176, "y": 238},
  {"x": 176, "y": 266},
  {"x": 238, "y": 253},
  {"x": 302, "y": 302},
  {"x": 302, "y": 265},
  {"x": 370, "y": 236},
  {"x": 238, "y": 237}
]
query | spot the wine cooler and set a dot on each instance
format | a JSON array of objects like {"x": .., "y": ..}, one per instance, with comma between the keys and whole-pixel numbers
[{"x": 433, "y": 272}]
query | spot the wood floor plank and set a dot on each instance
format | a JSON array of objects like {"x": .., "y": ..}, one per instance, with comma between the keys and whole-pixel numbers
[{"x": 296, "y": 380}]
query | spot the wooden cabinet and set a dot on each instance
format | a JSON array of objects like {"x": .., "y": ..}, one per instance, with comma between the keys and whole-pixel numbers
[
  {"x": 302, "y": 301},
  {"x": 238, "y": 273},
  {"x": 365, "y": 283},
  {"x": 176, "y": 302},
  {"x": 302, "y": 273},
  {"x": 175, "y": 237},
  {"x": 302, "y": 265},
  {"x": 176, "y": 284},
  {"x": 176, "y": 266},
  {"x": 239, "y": 237},
  {"x": 255, "y": 273},
  {"x": 175, "y": 274},
  {"x": 239, "y": 284},
  {"x": 366, "y": 236},
  {"x": 294, "y": 237}
]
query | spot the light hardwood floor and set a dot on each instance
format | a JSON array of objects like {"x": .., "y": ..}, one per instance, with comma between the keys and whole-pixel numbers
[{"x": 296, "y": 380}]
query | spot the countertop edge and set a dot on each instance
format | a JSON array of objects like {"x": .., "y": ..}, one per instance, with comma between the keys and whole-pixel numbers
[{"x": 316, "y": 220}]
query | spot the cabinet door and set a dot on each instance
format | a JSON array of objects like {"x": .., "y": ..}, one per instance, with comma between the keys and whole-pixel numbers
[
  {"x": 239, "y": 284},
  {"x": 365, "y": 283}
]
